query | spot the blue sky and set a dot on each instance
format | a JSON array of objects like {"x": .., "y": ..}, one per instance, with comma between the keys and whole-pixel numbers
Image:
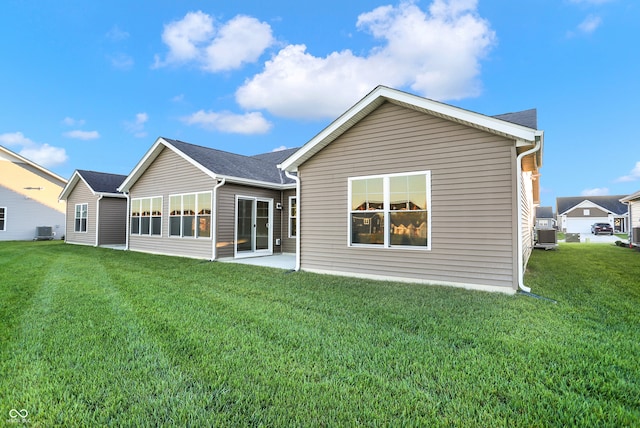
[{"x": 91, "y": 85}]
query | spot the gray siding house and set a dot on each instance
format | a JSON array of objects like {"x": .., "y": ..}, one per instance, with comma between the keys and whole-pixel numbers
[
  {"x": 28, "y": 199},
  {"x": 576, "y": 214},
  {"x": 194, "y": 201},
  {"x": 405, "y": 188},
  {"x": 633, "y": 203},
  {"x": 96, "y": 210}
]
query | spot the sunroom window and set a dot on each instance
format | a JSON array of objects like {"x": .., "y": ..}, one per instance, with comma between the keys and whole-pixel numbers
[
  {"x": 190, "y": 215},
  {"x": 146, "y": 216},
  {"x": 390, "y": 210}
]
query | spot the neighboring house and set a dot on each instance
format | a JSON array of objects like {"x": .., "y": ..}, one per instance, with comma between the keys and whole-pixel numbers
[
  {"x": 633, "y": 203},
  {"x": 576, "y": 214},
  {"x": 96, "y": 210},
  {"x": 405, "y": 188},
  {"x": 193, "y": 201},
  {"x": 28, "y": 198}
]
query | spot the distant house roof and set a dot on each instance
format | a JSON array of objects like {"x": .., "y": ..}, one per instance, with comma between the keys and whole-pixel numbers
[
  {"x": 14, "y": 157},
  {"x": 631, "y": 197},
  {"x": 608, "y": 203},
  {"x": 520, "y": 126},
  {"x": 257, "y": 170},
  {"x": 544, "y": 212},
  {"x": 100, "y": 183}
]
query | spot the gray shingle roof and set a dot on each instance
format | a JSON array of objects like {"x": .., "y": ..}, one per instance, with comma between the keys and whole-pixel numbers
[
  {"x": 610, "y": 203},
  {"x": 528, "y": 118},
  {"x": 544, "y": 212},
  {"x": 261, "y": 167},
  {"x": 102, "y": 182}
]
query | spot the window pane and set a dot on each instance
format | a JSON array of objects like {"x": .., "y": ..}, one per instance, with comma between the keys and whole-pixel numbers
[
  {"x": 145, "y": 207},
  {"x": 84, "y": 210},
  {"x": 156, "y": 225},
  {"x": 83, "y": 225},
  {"x": 77, "y": 225},
  {"x": 367, "y": 228},
  {"x": 144, "y": 225},
  {"x": 204, "y": 203},
  {"x": 367, "y": 194},
  {"x": 174, "y": 226},
  {"x": 156, "y": 206},
  {"x": 135, "y": 207},
  {"x": 294, "y": 229},
  {"x": 188, "y": 204},
  {"x": 135, "y": 225},
  {"x": 408, "y": 228},
  {"x": 78, "y": 211},
  {"x": 175, "y": 205},
  {"x": 188, "y": 225},
  {"x": 204, "y": 226}
]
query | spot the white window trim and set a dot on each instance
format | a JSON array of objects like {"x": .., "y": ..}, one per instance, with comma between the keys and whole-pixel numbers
[
  {"x": 150, "y": 217},
  {"x": 386, "y": 211},
  {"x": 75, "y": 218},
  {"x": 4, "y": 217},
  {"x": 292, "y": 216},
  {"x": 169, "y": 216}
]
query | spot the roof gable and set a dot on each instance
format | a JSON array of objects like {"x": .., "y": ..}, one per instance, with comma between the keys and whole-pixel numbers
[
  {"x": 100, "y": 183},
  {"x": 258, "y": 170},
  {"x": 14, "y": 157},
  {"x": 610, "y": 204},
  {"x": 523, "y": 135}
]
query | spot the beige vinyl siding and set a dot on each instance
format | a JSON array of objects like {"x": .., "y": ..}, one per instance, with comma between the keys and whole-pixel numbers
[
  {"x": 112, "y": 221},
  {"x": 170, "y": 174},
  {"x": 472, "y": 200},
  {"x": 81, "y": 194},
  {"x": 528, "y": 216},
  {"x": 288, "y": 244},
  {"x": 227, "y": 212}
]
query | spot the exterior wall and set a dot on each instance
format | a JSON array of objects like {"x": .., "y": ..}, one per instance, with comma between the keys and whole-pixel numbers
[
  {"x": 81, "y": 194},
  {"x": 473, "y": 201},
  {"x": 288, "y": 244},
  {"x": 31, "y": 199},
  {"x": 227, "y": 216},
  {"x": 528, "y": 215},
  {"x": 170, "y": 174},
  {"x": 112, "y": 227},
  {"x": 23, "y": 215}
]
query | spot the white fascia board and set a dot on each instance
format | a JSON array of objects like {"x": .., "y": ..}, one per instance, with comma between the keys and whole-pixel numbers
[
  {"x": 111, "y": 195},
  {"x": 71, "y": 184},
  {"x": 632, "y": 197}
]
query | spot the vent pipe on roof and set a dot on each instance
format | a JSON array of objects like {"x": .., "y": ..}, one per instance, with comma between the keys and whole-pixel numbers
[{"x": 537, "y": 147}]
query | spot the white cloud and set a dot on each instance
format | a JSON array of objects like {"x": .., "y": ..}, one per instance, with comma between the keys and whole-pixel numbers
[
  {"x": 248, "y": 123},
  {"x": 591, "y": 1},
  {"x": 195, "y": 39},
  {"x": 437, "y": 54},
  {"x": 82, "y": 135},
  {"x": 69, "y": 121},
  {"x": 121, "y": 61},
  {"x": 45, "y": 155},
  {"x": 115, "y": 34},
  {"x": 137, "y": 126},
  {"x": 597, "y": 191},
  {"x": 590, "y": 24},
  {"x": 280, "y": 148},
  {"x": 42, "y": 154},
  {"x": 634, "y": 175}
]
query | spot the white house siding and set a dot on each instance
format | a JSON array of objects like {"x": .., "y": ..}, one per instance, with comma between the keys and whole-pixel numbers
[
  {"x": 472, "y": 200},
  {"x": 112, "y": 229},
  {"x": 81, "y": 195},
  {"x": 528, "y": 215},
  {"x": 24, "y": 214},
  {"x": 170, "y": 174},
  {"x": 579, "y": 221}
]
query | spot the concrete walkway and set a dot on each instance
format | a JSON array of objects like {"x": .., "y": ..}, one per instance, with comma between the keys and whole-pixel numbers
[{"x": 281, "y": 261}]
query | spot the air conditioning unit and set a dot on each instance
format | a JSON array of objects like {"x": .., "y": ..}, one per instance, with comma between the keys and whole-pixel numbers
[
  {"x": 635, "y": 236},
  {"x": 547, "y": 236},
  {"x": 44, "y": 233}
]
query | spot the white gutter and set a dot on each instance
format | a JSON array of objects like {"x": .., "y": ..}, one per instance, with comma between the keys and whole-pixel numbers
[
  {"x": 520, "y": 202},
  {"x": 297, "y": 180},
  {"x": 214, "y": 222},
  {"x": 128, "y": 225},
  {"x": 97, "y": 219}
]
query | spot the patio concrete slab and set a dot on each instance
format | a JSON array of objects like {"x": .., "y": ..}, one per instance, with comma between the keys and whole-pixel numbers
[{"x": 281, "y": 261}]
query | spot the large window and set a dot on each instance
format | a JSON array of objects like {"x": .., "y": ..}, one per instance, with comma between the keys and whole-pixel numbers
[
  {"x": 293, "y": 216},
  {"x": 146, "y": 216},
  {"x": 81, "y": 217},
  {"x": 190, "y": 215},
  {"x": 3, "y": 219},
  {"x": 390, "y": 210}
]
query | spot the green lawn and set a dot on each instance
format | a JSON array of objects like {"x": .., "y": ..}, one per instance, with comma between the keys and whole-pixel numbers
[{"x": 93, "y": 336}]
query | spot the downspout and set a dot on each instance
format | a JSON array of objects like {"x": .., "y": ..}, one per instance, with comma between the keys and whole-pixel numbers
[
  {"x": 128, "y": 225},
  {"x": 520, "y": 209},
  {"x": 98, "y": 219},
  {"x": 214, "y": 223},
  {"x": 298, "y": 238}
]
